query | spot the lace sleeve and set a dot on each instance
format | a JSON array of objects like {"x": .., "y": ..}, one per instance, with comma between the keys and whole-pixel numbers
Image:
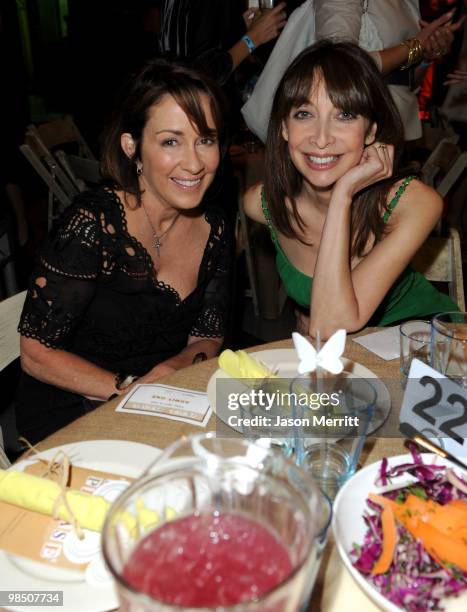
[
  {"x": 63, "y": 281},
  {"x": 211, "y": 321}
]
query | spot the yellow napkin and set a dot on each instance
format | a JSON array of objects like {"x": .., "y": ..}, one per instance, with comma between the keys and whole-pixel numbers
[
  {"x": 39, "y": 495},
  {"x": 239, "y": 364}
]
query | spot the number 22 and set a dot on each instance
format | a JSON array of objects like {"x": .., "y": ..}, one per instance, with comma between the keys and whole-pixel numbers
[{"x": 448, "y": 426}]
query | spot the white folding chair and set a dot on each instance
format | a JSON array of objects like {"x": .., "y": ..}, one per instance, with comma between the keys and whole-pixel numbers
[
  {"x": 83, "y": 172},
  {"x": 452, "y": 175},
  {"x": 442, "y": 156},
  {"x": 56, "y": 134},
  {"x": 59, "y": 196},
  {"x": 243, "y": 238},
  {"x": 440, "y": 260},
  {"x": 10, "y": 312},
  {"x": 7, "y": 266},
  {"x": 39, "y": 146}
]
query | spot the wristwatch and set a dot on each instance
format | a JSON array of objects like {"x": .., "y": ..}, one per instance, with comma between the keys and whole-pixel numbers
[
  {"x": 199, "y": 357},
  {"x": 123, "y": 381}
]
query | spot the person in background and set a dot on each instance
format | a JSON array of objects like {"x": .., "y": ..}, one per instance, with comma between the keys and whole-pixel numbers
[
  {"x": 397, "y": 39},
  {"x": 114, "y": 296},
  {"x": 391, "y": 31},
  {"x": 217, "y": 38},
  {"x": 216, "y": 35},
  {"x": 345, "y": 219}
]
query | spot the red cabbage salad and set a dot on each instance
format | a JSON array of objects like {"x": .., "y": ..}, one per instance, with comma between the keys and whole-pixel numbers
[{"x": 415, "y": 547}]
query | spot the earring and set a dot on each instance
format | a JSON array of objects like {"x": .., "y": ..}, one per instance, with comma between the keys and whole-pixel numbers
[{"x": 139, "y": 170}]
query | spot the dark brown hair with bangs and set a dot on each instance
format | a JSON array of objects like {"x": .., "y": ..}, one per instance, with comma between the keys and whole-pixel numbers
[
  {"x": 354, "y": 85},
  {"x": 157, "y": 78}
]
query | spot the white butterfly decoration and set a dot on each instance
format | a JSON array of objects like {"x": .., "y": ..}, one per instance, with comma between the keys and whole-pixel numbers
[{"x": 327, "y": 358}]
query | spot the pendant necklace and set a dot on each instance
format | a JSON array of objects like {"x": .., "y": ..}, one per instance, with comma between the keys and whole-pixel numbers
[{"x": 157, "y": 237}]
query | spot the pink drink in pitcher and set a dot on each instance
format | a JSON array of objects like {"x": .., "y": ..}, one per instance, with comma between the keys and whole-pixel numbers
[
  {"x": 246, "y": 537},
  {"x": 208, "y": 560}
]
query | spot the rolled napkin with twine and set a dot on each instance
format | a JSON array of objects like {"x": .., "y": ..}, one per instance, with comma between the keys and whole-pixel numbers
[
  {"x": 82, "y": 509},
  {"x": 41, "y": 495}
]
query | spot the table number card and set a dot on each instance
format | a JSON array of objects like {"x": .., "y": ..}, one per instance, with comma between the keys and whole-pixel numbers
[{"x": 436, "y": 407}]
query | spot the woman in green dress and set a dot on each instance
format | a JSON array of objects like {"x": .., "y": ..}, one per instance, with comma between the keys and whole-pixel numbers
[{"x": 345, "y": 220}]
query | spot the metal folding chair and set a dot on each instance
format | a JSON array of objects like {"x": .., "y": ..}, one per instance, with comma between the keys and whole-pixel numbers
[
  {"x": 83, "y": 172},
  {"x": 39, "y": 146},
  {"x": 440, "y": 159},
  {"x": 10, "y": 312},
  {"x": 440, "y": 260},
  {"x": 7, "y": 268}
]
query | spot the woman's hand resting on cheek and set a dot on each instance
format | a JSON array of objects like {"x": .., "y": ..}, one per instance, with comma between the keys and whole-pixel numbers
[{"x": 375, "y": 165}]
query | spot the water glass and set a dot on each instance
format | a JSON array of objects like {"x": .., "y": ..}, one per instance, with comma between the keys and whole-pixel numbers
[
  {"x": 415, "y": 339},
  {"x": 270, "y": 434},
  {"x": 331, "y": 433},
  {"x": 203, "y": 475},
  {"x": 449, "y": 345}
]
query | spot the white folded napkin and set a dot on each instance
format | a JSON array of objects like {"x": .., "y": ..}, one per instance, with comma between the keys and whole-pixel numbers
[{"x": 385, "y": 343}]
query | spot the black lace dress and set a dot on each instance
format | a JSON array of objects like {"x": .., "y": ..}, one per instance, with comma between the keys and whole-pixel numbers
[{"x": 94, "y": 293}]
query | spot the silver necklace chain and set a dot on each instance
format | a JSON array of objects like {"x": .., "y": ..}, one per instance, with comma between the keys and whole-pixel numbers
[{"x": 157, "y": 237}]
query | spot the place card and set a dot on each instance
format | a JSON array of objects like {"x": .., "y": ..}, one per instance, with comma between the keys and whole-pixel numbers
[
  {"x": 167, "y": 402},
  {"x": 385, "y": 343},
  {"x": 436, "y": 406}
]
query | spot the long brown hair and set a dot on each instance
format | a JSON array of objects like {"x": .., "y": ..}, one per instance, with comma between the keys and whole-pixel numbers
[
  {"x": 354, "y": 85},
  {"x": 157, "y": 78}
]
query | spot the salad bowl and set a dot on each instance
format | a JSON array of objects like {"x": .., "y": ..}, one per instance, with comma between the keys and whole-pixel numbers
[{"x": 349, "y": 527}]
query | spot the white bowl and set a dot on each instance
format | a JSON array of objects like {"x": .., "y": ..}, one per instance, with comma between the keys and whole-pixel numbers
[{"x": 349, "y": 527}]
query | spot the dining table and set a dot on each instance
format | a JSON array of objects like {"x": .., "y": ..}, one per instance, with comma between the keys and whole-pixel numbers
[{"x": 334, "y": 587}]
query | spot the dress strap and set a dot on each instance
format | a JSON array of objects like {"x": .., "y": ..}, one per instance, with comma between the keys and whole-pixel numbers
[
  {"x": 393, "y": 203},
  {"x": 267, "y": 216}
]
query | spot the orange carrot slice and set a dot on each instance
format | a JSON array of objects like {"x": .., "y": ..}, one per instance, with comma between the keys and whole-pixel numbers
[
  {"x": 448, "y": 518},
  {"x": 383, "y": 501},
  {"x": 388, "y": 522},
  {"x": 459, "y": 503},
  {"x": 446, "y": 549},
  {"x": 442, "y": 529}
]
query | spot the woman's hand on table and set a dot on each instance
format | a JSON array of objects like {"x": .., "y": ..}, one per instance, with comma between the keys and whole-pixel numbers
[
  {"x": 210, "y": 347},
  {"x": 161, "y": 369}
]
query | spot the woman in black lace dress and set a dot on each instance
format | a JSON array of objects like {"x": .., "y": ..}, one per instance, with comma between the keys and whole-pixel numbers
[{"x": 133, "y": 279}]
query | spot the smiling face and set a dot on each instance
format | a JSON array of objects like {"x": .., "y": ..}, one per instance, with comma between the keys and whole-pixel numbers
[
  {"x": 177, "y": 163},
  {"x": 324, "y": 142}
]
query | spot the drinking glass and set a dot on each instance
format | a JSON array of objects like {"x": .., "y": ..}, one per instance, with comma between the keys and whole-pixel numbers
[
  {"x": 449, "y": 345},
  {"x": 415, "y": 338},
  {"x": 272, "y": 435},
  {"x": 204, "y": 475},
  {"x": 331, "y": 433}
]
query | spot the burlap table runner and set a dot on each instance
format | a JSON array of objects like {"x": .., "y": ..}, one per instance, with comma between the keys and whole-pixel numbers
[{"x": 334, "y": 589}]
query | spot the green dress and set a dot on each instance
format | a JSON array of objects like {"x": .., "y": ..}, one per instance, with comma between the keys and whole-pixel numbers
[{"x": 411, "y": 296}]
